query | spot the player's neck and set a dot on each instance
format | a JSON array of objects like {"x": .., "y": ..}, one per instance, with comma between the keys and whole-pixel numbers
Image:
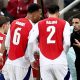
[
  {"x": 53, "y": 15},
  {"x": 29, "y": 17},
  {"x": 2, "y": 31}
]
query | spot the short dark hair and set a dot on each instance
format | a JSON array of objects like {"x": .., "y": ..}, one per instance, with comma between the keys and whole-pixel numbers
[
  {"x": 3, "y": 20},
  {"x": 53, "y": 8},
  {"x": 33, "y": 7},
  {"x": 76, "y": 16}
]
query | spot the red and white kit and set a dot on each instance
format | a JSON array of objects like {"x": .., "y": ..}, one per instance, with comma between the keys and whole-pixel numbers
[
  {"x": 18, "y": 62},
  {"x": 54, "y": 42}
]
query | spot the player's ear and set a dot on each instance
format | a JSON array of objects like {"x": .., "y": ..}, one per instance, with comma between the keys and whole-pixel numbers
[
  {"x": 4, "y": 25},
  {"x": 59, "y": 14}
]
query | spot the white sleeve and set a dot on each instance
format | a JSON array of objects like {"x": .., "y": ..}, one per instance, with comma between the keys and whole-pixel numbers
[
  {"x": 66, "y": 37},
  {"x": 32, "y": 38},
  {"x": 33, "y": 33},
  {"x": 7, "y": 40}
]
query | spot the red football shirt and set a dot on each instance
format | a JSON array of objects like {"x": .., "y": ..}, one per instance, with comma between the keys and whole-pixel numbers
[
  {"x": 19, "y": 32},
  {"x": 51, "y": 37}
]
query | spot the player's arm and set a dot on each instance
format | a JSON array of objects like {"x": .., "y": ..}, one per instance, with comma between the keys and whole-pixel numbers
[
  {"x": 33, "y": 33},
  {"x": 3, "y": 48},
  {"x": 7, "y": 40},
  {"x": 1, "y": 53},
  {"x": 30, "y": 49},
  {"x": 66, "y": 37}
]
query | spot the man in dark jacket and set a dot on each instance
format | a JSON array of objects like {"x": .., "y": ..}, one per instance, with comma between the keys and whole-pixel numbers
[{"x": 76, "y": 35}]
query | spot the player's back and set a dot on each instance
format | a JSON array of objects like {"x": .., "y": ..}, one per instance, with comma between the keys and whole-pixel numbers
[
  {"x": 19, "y": 32},
  {"x": 51, "y": 37}
]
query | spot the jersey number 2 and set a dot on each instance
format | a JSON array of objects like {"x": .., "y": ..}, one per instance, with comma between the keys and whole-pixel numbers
[
  {"x": 50, "y": 29},
  {"x": 16, "y": 37}
]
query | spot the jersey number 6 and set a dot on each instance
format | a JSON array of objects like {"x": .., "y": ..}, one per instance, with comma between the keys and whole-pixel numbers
[{"x": 16, "y": 37}]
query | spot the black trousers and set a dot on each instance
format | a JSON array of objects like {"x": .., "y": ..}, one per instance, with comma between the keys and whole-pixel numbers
[{"x": 77, "y": 66}]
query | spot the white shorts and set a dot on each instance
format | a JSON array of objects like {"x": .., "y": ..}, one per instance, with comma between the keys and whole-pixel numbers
[
  {"x": 55, "y": 72},
  {"x": 12, "y": 72}
]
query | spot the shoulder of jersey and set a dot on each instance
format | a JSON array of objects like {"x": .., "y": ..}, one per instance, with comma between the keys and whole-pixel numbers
[
  {"x": 53, "y": 20},
  {"x": 21, "y": 21},
  {"x": 59, "y": 19}
]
